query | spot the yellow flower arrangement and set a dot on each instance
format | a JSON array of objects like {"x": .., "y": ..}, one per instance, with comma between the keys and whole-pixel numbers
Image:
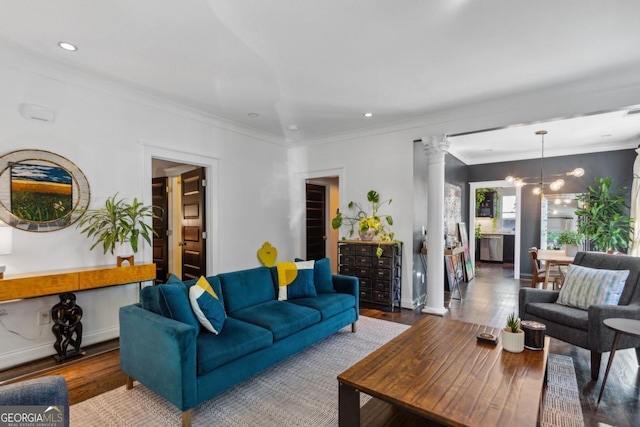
[{"x": 373, "y": 222}]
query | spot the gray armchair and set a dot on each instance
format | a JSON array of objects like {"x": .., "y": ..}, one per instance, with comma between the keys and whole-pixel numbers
[
  {"x": 584, "y": 328},
  {"x": 49, "y": 391}
]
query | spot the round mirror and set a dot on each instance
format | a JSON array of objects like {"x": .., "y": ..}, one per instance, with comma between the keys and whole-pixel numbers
[{"x": 41, "y": 191}]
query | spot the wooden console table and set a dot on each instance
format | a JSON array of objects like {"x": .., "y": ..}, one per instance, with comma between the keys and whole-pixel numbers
[
  {"x": 67, "y": 315},
  {"x": 41, "y": 284}
]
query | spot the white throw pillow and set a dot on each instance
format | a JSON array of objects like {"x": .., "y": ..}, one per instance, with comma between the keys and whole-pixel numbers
[{"x": 584, "y": 286}]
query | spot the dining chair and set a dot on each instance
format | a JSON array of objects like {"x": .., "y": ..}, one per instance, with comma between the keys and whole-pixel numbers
[{"x": 539, "y": 275}]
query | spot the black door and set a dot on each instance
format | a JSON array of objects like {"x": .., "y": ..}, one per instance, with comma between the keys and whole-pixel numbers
[
  {"x": 160, "y": 199},
  {"x": 316, "y": 233},
  {"x": 193, "y": 241}
]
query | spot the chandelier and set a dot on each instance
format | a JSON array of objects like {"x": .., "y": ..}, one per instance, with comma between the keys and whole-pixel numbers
[{"x": 554, "y": 185}]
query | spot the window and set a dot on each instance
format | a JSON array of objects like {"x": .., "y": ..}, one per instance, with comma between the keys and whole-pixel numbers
[{"x": 508, "y": 207}]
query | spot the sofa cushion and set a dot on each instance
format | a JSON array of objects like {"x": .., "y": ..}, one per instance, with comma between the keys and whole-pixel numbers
[
  {"x": 245, "y": 288},
  {"x": 174, "y": 302},
  {"x": 280, "y": 317},
  {"x": 235, "y": 340},
  {"x": 295, "y": 280},
  {"x": 323, "y": 276},
  {"x": 328, "y": 304},
  {"x": 207, "y": 306},
  {"x": 584, "y": 286},
  {"x": 150, "y": 299},
  {"x": 561, "y": 314}
]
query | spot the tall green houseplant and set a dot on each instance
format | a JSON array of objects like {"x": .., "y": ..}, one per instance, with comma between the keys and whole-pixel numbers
[
  {"x": 118, "y": 222},
  {"x": 603, "y": 216}
]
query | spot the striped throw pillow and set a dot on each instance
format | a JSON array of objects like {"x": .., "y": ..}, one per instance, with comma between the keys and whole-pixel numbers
[{"x": 584, "y": 286}]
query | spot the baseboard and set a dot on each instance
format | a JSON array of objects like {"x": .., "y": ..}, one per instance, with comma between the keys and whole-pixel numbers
[{"x": 9, "y": 360}]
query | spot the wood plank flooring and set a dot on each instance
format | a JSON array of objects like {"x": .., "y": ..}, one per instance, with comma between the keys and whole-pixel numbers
[{"x": 487, "y": 299}]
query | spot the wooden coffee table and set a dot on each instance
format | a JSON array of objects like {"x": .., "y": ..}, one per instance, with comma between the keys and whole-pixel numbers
[{"x": 437, "y": 370}]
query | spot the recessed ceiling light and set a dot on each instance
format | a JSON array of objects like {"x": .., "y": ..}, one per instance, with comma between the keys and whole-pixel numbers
[
  {"x": 293, "y": 128},
  {"x": 488, "y": 150},
  {"x": 368, "y": 115},
  {"x": 68, "y": 46},
  {"x": 606, "y": 135},
  {"x": 253, "y": 114}
]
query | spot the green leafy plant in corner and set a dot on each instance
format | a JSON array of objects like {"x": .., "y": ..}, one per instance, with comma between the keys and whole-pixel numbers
[
  {"x": 118, "y": 222},
  {"x": 513, "y": 323},
  {"x": 361, "y": 220},
  {"x": 603, "y": 216}
]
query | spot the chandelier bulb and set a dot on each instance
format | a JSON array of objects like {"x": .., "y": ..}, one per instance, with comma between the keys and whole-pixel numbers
[
  {"x": 556, "y": 185},
  {"x": 510, "y": 179},
  {"x": 577, "y": 172},
  {"x": 536, "y": 191}
]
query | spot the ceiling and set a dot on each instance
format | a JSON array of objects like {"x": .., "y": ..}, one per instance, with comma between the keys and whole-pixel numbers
[{"x": 299, "y": 71}]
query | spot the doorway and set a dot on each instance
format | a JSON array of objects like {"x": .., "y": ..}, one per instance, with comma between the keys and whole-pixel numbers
[
  {"x": 473, "y": 186},
  {"x": 180, "y": 247},
  {"x": 322, "y": 201}
]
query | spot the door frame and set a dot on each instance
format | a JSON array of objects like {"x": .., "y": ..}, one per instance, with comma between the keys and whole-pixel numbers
[
  {"x": 473, "y": 186},
  {"x": 212, "y": 202},
  {"x": 302, "y": 181}
]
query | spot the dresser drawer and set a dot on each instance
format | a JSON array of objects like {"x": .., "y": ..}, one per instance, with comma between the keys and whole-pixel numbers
[
  {"x": 365, "y": 250},
  {"x": 347, "y": 249},
  {"x": 364, "y": 261},
  {"x": 381, "y": 285},
  {"x": 347, "y": 270},
  {"x": 363, "y": 271},
  {"x": 378, "y": 296},
  {"x": 383, "y": 262},
  {"x": 347, "y": 259},
  {"x": 382, "y": 274},
  {"x": 387, "y": 251},
  {"x": 365, "y": 294},
  {"x": 366, "y": 283}
]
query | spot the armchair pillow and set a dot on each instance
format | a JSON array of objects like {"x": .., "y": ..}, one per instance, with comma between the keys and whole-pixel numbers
[
  {"x": 584, "y": 286},
  {"x": 207, "y": 306}
]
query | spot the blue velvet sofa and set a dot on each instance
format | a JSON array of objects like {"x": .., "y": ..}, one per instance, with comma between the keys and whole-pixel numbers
[{"x": 162, "y": 347}]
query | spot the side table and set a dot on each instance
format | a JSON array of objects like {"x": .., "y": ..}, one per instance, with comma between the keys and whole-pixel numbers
[{"x": 620, "y": 326}]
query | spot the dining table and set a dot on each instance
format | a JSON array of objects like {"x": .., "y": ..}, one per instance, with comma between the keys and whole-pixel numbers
[{"x": 553, "y": 258}]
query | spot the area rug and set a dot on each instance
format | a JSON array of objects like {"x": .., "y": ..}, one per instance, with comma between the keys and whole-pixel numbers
[
  {"x": 305, "y": 384},
  {"x": 561, "y": 403}
]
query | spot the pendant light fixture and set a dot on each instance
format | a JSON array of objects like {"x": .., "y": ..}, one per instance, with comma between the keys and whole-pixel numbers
[{"x": 554, "y": 185}]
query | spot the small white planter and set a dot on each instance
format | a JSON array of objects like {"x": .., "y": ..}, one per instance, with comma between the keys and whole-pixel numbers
[
  {"x": 570, "y": 250},
  {"x": 513, "y": 341}
]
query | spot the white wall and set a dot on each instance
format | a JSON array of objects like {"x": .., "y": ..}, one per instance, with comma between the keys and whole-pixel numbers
[
  {"x": 367, "y": 164},
  {"x": 110, "y": 133}
]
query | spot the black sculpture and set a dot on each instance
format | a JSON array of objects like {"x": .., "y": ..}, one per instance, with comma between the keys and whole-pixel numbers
[{"x": 67, "y": 327}]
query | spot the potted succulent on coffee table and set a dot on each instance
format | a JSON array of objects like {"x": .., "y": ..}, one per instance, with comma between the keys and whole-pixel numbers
[{"x": 512, "y": 335}]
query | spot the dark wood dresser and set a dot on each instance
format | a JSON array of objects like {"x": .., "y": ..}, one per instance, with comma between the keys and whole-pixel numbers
[{"x": 380, "y": 278}]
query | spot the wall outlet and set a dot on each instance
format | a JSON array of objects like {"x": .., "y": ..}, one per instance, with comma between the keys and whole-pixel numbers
[{"x": 44, "y": 317}]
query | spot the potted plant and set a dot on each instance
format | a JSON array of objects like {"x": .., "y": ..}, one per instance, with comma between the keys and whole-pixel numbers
[
  {"x": 571, "y": 241},
  {"x": 603, "y": 216},
  {"x": 369, "y": 225},
  {"x": 118, "y": 223},
  {"x": 512, "y": 335}
]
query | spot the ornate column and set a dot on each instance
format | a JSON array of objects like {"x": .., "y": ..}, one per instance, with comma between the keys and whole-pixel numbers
[{"x": 435, "y": 148}]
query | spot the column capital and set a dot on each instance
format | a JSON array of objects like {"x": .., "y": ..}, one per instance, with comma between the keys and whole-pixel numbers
[{"x": 436, "y": 145}]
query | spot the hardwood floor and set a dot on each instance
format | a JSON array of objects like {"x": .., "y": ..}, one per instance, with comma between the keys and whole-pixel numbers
[{"x": 487, "y": 299}]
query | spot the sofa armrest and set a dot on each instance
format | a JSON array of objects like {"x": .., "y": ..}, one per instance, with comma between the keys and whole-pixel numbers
[
  {"x": 600, "y": 337},
  {"x": 531, "y": 295},
  {"x": 160, "y": 353},
  {"x": 348, "y": 285}
]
